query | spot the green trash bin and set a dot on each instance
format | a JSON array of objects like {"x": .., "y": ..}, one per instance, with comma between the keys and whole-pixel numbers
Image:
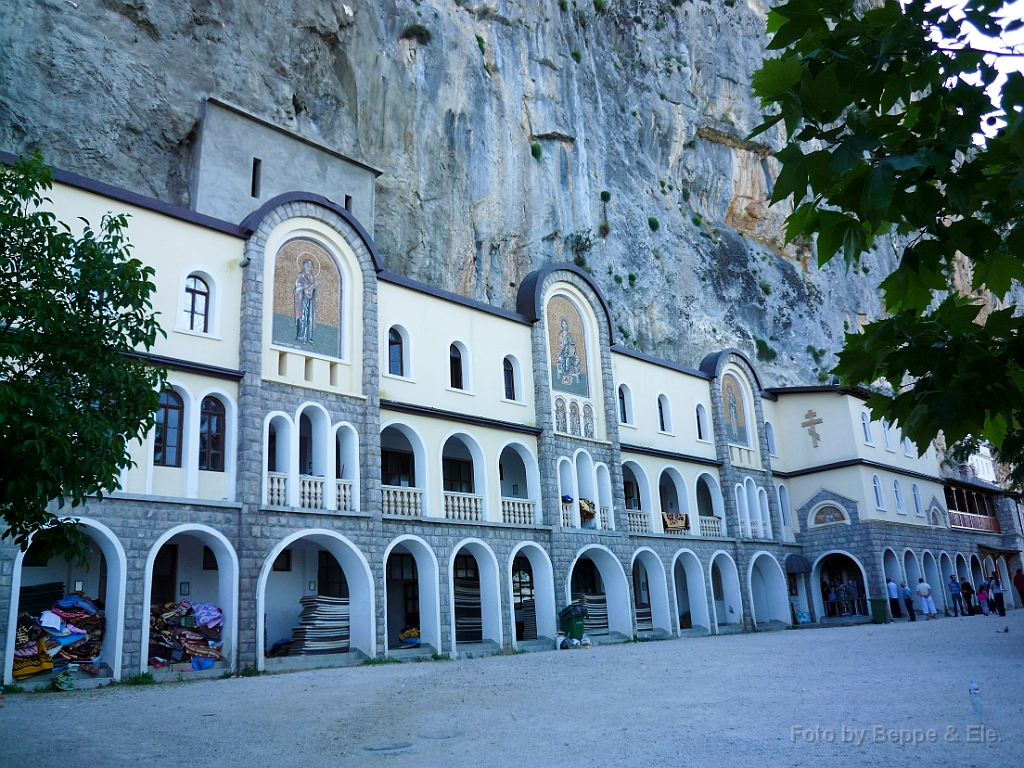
[
  {"x": 879, "y": 610},
  {"x": 572, "y": 626}
]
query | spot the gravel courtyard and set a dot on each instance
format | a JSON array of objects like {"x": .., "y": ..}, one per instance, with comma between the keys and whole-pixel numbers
[{"x": 720, "y": 701}]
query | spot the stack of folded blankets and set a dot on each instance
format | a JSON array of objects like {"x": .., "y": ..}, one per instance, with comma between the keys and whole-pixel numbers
[
  {"x": 323, "y": 626},
  {"x": 596, "y": 621},
  {"x": 529, "y": 620},
  {"x": 469, "y": 626},
  {"x": 185, "y": 632},
  {"x": 48, "y": 639},
  {"x": 644, "y": 619}
]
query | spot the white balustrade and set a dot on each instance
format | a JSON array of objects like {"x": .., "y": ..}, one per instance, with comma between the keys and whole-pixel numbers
[
  {"x": 755, "y": 529},
  {"x": 463, "y": 506},
  {"x": 344, "y": 496},
  {"x": 603, "y": 516},
  {"x": 520, "y": 511},
  {"x": 407, "y": 502},
  {"x": 637, "y": 522},
  {"x": 567, "y": 515},
  {"x": 710, "y": 526},
  {"x": 277, "y": 489},
  {"x": 311, "y": 492},
  {"x": 742, "y": 457}
]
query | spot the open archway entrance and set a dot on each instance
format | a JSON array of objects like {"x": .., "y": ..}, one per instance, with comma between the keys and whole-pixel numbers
[
  {"x": 64, "y": 613},
  {"x": 597, "y": 581},
  {"x": 316, "y": 603},
  {"x": 691, "y": 595},
  {"x": 192, "y": 603},
  {"x": 1009, "y": 591},
  {"x": 841, "y": 593},
  {"x": 710, "y": 507},
  {"x": 962, "y": 569},
  {"x": 475, "y": 599},
  {"x": 403, "y": 477},
  {"x": 462, "y": 478},
  {"x": 725, "y": 589},
  {"x": 517, "y": 475},
  {"x": 533, "y": 597},
  {"x": 769, "y": 593},
  {"x": 413, "y": 618},
  {"x": 931, "y": 575},
  {"x": 977, "y": 574},
  {"x": 650, "y": 595}
]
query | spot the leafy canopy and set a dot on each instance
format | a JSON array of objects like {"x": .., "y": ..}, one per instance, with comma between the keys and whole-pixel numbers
[
  {"x": 884, "y": 106},
  {"x": 70, "y": 400}
]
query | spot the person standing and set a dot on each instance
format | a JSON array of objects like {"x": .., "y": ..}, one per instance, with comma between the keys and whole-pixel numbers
[
  {"x": 924, "y": 591},
  {"x": 954, "y": 593},
  {"x": 1018, "y": 582},
  {"x": 894, "y": 598},
  {"x": 968, "y": 594},
  {"x": 995, "y": 585},
  {"x": 908, "y": 599}
]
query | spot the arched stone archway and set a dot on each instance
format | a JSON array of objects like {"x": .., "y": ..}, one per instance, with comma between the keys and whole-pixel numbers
[
  {"x": 403, "y": 473},
  {"x": 178, "y": 559},
  {"x": 411, "y": 594},
  {"x": 312, "y": 557},
  {"x": 725, "y": 590},
  {"x": 913, "y": 572},
  {"x": 535, "y": 583},
  {"x": 769, "y": 592},
  {"x": 830, "y": 572},
  {"x": 934, "y": 579},
  {"x": 691, "y": 594},
  {"x": 474, "y": 596},
  {"x": 463, "y": 478},
  {"x": 650, "y": 594},
  {"x": 104, "y": 579},
  {"x": 602, "y": 578}
]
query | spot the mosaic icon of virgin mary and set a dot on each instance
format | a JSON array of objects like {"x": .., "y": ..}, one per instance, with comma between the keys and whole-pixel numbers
[
  {"x": 305, "y": 303},
  {"x": 569, "y": 367}
]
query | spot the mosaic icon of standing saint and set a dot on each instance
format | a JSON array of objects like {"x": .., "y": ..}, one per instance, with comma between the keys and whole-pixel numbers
[
  {"x": 305, "y": 303},
  {"x": 567, "y": 348}
]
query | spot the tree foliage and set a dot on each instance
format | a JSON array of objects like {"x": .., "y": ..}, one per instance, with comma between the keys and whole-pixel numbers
[
  {"x": 70, "y": 400},
  {"x": 896, "y": 128}
]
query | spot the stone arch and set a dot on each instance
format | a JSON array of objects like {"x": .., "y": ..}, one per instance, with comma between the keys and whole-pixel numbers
[
  {"x": 428, "y": 592},
  {"x": 769, "y": 591},
  {"x": 934, "y": 579},
  {"x": 399, "y": 435},
  {"x": 227, "y": 586},
  {"x": 117, "y": 571},
  {"x": 892, "y": 567},
  {"x": 963, "y": 570},
  {"x": 362, "y": 599},
  {"x": 977, "y": 574},
  {"x": 710, "y": 504},
  {"x": 615, "y": 585},
  {"x": 641, "y": 503},
  {"x": 850, "y": 561},
  {"x": 725, "y": 591},
  {"x": 657, "y": 588},
  {"x": 688, "y": 577},
  {"x": 278, "y": 458},
  {"x": 489, "y": 586},
  {"x": 450, "y": 448},
  {"x": 347, "y": 473},
  {"x": 530, "y": 474},
  {"x": 912, "y": 569},
  {"x": 543, "y": 576}
]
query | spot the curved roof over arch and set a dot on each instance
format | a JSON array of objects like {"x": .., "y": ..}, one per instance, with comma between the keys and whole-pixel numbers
[{"x": 530, "y": 298}]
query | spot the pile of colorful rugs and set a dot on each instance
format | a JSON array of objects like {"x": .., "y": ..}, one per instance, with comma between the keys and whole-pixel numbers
[
  {"x": 68, "y": 632},
  {"x": 185, "y": 632}
]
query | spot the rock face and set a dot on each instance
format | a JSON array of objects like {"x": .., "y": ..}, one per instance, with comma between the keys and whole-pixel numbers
[{"x": 498, "y": 136}]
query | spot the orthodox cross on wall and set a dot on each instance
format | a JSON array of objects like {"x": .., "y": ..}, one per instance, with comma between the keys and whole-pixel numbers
[{"x": 811, "y": 423}]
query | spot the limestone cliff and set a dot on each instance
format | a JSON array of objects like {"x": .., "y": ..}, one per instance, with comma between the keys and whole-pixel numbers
[{"x": 497, "y": 137}]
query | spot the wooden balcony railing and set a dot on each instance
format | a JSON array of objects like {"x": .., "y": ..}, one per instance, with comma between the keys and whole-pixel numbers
[{"x": 974, "y": 522}]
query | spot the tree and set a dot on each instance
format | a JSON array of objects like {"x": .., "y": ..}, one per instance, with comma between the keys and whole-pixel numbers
[
  {"x": 70, "y": 399},
  {"x": 898, "y": 125}
]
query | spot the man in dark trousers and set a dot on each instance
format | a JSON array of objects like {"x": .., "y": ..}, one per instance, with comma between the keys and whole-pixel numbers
[
  {"x": 954, "y": 594},
  {"x": 894, "y": 598},
  {"x": 967, "y": 591},
  {"x": 908, "y": 599}
]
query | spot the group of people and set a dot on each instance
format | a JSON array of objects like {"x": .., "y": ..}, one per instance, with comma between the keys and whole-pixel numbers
[{"x": 989, "y": 594}]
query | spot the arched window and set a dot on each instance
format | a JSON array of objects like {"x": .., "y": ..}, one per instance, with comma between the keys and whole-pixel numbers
[
  {"x": 510, "y": 379},
  {"x": 625, "y": 405},
  {"x": 455, "y": 366},
  {"x": 769, "y": 433},
  {"x": 664, "y": 414},
  {"x": 703, "y": 433},
  {"x": 918, "y": 506},
  {"x": 211, "y": 435},
  {"x": 886, "y": 435},
  {"x": 879, "y": 496},
  {"x": 396, "y": 353},
  {"x": 865, "y": 423},
  {"x": 197, "y": 304},
  {"x": 167, "y": 438},
  {"x": 897, "y": 491},
  {"x": 908, "y": 447}
]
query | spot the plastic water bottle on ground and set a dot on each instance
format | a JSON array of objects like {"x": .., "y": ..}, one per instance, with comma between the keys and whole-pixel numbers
[{"x": 976, "y": 698}]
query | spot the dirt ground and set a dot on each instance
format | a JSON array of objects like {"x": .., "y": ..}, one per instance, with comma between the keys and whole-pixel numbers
[{"x": 716, "y": 701}]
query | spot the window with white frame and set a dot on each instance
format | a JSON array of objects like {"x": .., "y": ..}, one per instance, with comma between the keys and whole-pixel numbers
[
  {"x": 703, "y": 431},
  {"x": 876, "y": 483},
  {"x": 625, "y": 401},
  {"x": 664, "y": 414},
  {"x": 456, "y": 366},
  {"x": 897, "y": 491},
  {"x": 886, "y": 435},
  {"x": 398, "y": 352},
  {"x": 918, "y": 506},
  {"x": 512, "y": 386},
  {"x": 865, "y": 423},
  {"x": 769, "y": 433},
  {"x": 197, "y": 304}
]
